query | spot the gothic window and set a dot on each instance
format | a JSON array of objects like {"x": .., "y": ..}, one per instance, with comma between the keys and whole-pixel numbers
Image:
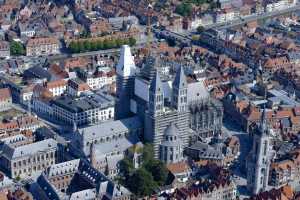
[{"x": 265, "y": 147}]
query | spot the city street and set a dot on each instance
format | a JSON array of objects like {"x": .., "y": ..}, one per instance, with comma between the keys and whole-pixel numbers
[{"x": 238, "y": 168}]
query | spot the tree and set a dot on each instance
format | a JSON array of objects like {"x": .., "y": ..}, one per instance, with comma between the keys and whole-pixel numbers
[
  {"x": 148, "y": 153},
  {"x": 141, "y": 183},
  {"x": 17, "y": 48},
  {"x": 86, "y": 45},
  {"x": 184, "y": 9},
  {"x": 158, "y": 171},
  {"x": 126, "y": 168},
  {"x": 200, "y": 29},
  {"x": 99, "y": 44},
  {"x": 113, "y": 44},
  {"x": 132, "y": 41},
  {"x": 80, "y": 46},
  {"x": 93, "y": 45},
  {"x": 106, "y": 44},
  {"x": 119, "y": 42}
]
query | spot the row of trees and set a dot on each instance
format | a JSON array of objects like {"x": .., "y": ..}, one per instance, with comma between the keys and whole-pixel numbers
[
  {"x": 17, "y": 48},
  {"x": 186, "y": 7},
  {"x": 92, "y": 45},
  {"x": 144, "y": 180}
]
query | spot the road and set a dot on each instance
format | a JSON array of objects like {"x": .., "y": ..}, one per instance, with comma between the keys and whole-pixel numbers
[
  {"x": 238, "y": 169},
  {"x": 186, "y": 37},
  {"x": 244, "y": 20}
]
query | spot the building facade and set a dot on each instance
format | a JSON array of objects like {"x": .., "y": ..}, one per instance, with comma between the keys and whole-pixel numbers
[
  {"x": 83, "y": 110},
  {"x": 42, "y": 46},
  {"x": 27, "y": 160},
  {"x": 5, "y": 99}
]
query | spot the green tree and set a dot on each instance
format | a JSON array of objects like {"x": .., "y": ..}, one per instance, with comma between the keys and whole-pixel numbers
[
  {"x": 148, "y": 153},
  {"x": 141, "y": 183},
  {"x": 99, "y": 44},
  {"x": 126, "y": 168},
  {"x": 87, "y": 45},
  {"x": 158, "y": 171},
  {"x": 119, "y": 42},
  {"x": 93, "y": 45},
  {"x": 184, "y": 9},
  {"x": 73, "y": 47},
  {"x": 17, "y": 48},
  {"x": 106, "y": 44},
  {"x": 200, "y": 29},
  {"x": 80, "y": 46},
  {"x": 132, "y": 41},
  {"x": 113, "y": 44}
]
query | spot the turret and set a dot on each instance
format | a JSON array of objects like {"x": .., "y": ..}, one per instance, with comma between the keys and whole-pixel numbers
[
  {"x": 179, "y": 95},
  {"x": 156, "y": 101}
]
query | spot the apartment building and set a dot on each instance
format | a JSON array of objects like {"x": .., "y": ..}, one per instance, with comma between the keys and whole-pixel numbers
[{"x": 42, "y": 46}]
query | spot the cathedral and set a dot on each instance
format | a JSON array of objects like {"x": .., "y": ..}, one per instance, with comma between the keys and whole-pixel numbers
[{"x": 163, "y": 104}]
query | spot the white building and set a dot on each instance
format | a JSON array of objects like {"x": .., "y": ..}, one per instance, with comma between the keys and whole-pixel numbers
[
  {"x": 90, "y": 109},
  {"x": 277, "y": 5},
  {"x": 57, "y": 88}
]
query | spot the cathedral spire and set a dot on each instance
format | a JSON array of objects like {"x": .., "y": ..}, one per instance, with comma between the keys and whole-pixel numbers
[
  {"x": 126, "y": 66},
  {"x": 179, "y": 96},
  {"x": 263, "y": 122},
  {"x": 156, "y": 84},
  {"x": 180, "y": 78},
  {"x": 156, "y": 103}
]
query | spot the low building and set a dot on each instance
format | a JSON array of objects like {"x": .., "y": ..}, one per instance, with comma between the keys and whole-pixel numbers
[
  {"x": 27, "y": 160},
  {"x": 42, "y": 46},
  {"x": 5, "y": 99},
  {"x": 88, "y": 109},
  {"x": 181, "y": 172},
  {"x": 4, "y": 49}
]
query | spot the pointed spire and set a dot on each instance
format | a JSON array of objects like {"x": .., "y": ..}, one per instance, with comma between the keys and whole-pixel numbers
[
  {"x": 156, "y": 84},
  {"x": 126, "y": 66},
  {"x": 263, "y": 122},
  {"x": 180, "y": 78}
]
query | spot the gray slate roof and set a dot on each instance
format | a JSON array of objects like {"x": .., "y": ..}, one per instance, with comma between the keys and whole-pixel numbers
[{"x": 29, "y": 149}]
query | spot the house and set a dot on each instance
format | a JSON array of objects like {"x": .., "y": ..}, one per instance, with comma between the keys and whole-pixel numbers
[
  {"x": 5, "y": 99},
  {"x": 57, "y": 87},
  {"x": 181, "y": 171}
]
